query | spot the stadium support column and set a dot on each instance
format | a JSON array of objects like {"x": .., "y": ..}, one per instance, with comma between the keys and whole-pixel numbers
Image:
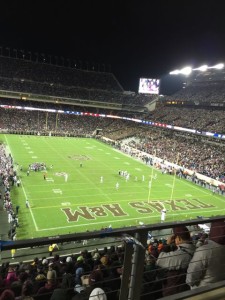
[
  {"x": 137, "y": 266},
  {"x": 126, "y": 275}
]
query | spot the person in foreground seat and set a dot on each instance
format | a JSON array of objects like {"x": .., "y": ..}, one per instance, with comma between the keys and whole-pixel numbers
[
  {"x": 174, "y": 259},
  {"x": 208, "y": 263}
]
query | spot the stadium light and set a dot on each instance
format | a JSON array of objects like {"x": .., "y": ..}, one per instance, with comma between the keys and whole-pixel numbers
[
  {"x": 186, "y": 71},
  {"x": 202, "y": 68},
  {"x": 175, "y": 72},
  {"x": 218, "y": 66}
]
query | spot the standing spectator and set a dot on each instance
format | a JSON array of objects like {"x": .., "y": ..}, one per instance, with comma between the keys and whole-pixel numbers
[
  {"x": 207, "y": 264},
  {"x": 174, "y": 263}
]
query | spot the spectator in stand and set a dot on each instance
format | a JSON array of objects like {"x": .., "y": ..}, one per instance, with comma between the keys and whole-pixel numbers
[
  {"x": 11, "y": 276},
  {"x": 151, "y": 286},
  {"x": 95, "y": 288},
  {"x": 52, "y": 282},
  {"x": 174, "y": 263},
  {"x": 7, "y": 295},
  {"x": 27, "y": 291},
  {"x": 208, "y": 262}
]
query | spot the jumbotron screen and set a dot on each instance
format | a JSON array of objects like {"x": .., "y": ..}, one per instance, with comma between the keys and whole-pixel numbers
[{"x": 148, "y": 86}]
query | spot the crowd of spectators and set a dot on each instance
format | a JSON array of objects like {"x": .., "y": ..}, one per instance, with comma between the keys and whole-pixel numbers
[
  {"x": 186, "y": 259},
  {"x": 80, "y": 276},
  {"x": 207, "y": 119},
  {"x": 8, "y": 178},
  {"x": 28, "y": 77},
  {"x": 40, "y": 72},
  {"x": 199, "y": 92},
  {"x": 195, "y": 153},
  {"x": 188, "y": 151}
]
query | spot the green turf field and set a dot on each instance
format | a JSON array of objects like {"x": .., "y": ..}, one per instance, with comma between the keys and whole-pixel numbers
[{"x": 83, "y": 202}]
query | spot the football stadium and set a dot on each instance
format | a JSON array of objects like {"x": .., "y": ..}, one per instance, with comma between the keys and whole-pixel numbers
[{"x": 107, "y": 190}]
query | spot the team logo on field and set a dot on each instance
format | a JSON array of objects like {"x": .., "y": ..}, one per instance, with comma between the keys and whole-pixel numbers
[{"x": 141, "y": 207}]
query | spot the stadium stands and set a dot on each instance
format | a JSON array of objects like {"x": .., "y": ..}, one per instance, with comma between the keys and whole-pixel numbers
[{"x": 48, "y": 80}]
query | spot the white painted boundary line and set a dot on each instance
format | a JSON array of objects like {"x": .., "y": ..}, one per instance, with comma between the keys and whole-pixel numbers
[{"x": 32, "y": 216}]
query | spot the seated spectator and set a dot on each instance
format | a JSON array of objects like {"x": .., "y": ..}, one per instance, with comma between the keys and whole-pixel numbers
[
  {"x": 97, "y": 293},
  {"x": 64, "y": 291},
  {"x": 174, "y": 264},
  {"x": 80, "y": 293},
  {"x": 95, "y": 289},
  {"x": 16, "y": 286},
  {"x": 11, "y": 276},
  {"x": 27, "y": 291},
  {"x": 151, "y": 286},
  {"x": 7, "y": 295},
  {"x": 40, "y": 279},
  {"x": 113, "y": 281},
  {"x": 207, "y": 264},
  {"x": 51, "y": 282},
  {"x": 68, "y": 279}
]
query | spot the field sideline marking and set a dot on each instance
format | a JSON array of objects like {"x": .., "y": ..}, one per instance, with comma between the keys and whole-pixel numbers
[{"x": 32, "y": 216}]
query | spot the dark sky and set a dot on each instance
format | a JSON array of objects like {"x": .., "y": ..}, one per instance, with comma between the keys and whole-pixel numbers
[{"x": 138, "y": 38}]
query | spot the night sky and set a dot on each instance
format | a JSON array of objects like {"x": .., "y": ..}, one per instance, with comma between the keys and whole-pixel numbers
[{"x": 142, "y": 38}]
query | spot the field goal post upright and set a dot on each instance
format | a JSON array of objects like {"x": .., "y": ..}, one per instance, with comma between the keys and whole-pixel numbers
[
  {"x": 150, "y": 182},
  {"x": 174, "y": 177}
]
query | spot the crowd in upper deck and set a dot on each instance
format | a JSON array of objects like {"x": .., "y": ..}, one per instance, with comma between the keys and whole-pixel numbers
[
  {"x": 209, "y": 91},
  {"x": 43, "y": 79}
]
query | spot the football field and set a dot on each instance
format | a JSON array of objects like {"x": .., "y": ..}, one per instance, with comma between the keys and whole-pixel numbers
[{"x": 82, "y": 190}]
